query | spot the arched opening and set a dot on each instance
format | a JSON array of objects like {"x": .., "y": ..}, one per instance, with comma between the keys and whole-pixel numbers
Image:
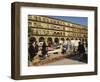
[
  {"x": 67, "y": 38},
  {"x": 49, "y": 39},
  {"x": 62, "y": 39},
  {"x": 41, "y": 39},
  {"x": 72, "y": 38},
  {"x": 54, "y": 33},
  {"x": 56, "y": 40},
  {"x": 50, "y": 42},
  {"x": 58, "y": 33},
  {"x": 32, "y": 39},
  {"x": 80, "y": 39}
]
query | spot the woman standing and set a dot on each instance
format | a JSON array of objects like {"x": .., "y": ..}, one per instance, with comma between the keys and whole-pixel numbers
[
  {"x": 36, "y": 48},
  {"x": 44, "y": 50},
  {"x": 31, "y": 51}
]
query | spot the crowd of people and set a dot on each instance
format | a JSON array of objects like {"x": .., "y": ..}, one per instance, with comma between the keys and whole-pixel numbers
[
  {"x": 75, "y": 46},
  {"x": 34, "y": 49}
]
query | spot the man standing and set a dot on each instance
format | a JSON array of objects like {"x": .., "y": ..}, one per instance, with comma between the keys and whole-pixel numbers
[{"x": 81, "y": 50}]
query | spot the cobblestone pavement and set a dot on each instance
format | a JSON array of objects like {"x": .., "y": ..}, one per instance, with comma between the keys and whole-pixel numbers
[
  {"x": 65, "y": 61},
  {"x": 55, "y": 59}
]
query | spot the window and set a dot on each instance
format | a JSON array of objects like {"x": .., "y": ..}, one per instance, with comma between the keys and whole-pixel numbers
[
  {"x": 30, "y": 23},
  {"x": 35, "y": 24},
  {"x": 38, "y": 18},
  {"x": 29, "y": 16}
]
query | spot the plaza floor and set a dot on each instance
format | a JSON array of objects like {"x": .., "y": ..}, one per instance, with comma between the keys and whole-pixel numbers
[
  {"x": 56, "y": 59},
  {"x": 65, "y": 61}
]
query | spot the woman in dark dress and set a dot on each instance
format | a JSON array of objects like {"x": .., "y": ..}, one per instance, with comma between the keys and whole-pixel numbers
[
  {"x": 36, "y": 48},
  {"x": 44, "y": 49},
  {"x": 31, "y": 51}
]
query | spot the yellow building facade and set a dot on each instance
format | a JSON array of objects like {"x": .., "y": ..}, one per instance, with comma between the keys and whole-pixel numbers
[{"x": 51, "y": 29}]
